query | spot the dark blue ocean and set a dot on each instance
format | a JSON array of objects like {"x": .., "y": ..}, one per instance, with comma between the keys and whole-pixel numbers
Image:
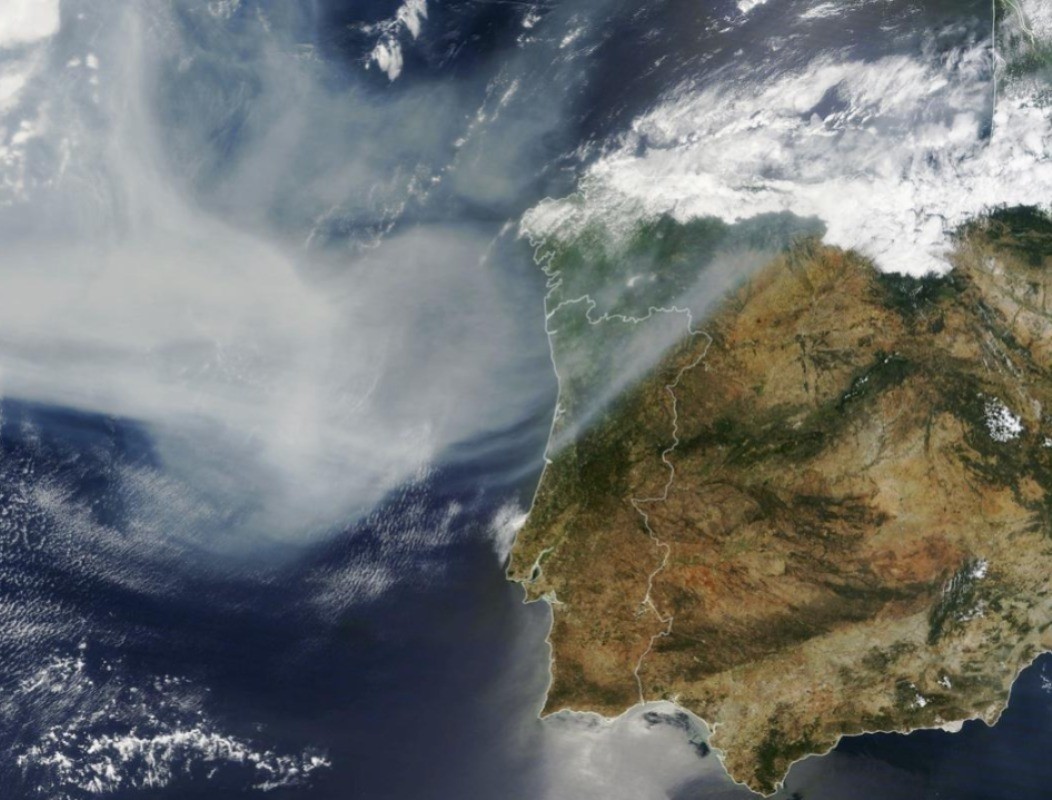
[
  {"x": 428, "y": 691},
  {"x": 151, "y": 644}
]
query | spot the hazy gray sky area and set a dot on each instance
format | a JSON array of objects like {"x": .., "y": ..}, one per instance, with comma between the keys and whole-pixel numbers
[
  {"x": 289, "y": 249},
  {"x": 267, "y": 256}
]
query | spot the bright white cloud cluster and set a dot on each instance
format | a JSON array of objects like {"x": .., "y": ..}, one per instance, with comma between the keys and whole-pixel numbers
[
  {"x": 387, "y": 54},
  {"x": 822, "y": 11},
  {"x": 117, "y": 736},
  {"x": 1002, "y": 424},
  {"x": 26, "y": 21},
  {"x": 25, "y": 26},
  {"x": 892, "y": 153},
  {"x": 745, "y": 6}
]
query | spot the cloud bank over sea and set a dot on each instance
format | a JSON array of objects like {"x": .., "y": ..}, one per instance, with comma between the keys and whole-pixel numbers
[
  {"x": 216, "y": 228},
  {"x": 892, "y": 150}
]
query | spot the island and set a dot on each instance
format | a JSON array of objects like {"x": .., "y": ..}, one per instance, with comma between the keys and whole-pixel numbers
[{"x": 822, "y": 507}]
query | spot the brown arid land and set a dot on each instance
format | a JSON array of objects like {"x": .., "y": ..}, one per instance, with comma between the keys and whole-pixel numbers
[{"x": 828, "y": 512}]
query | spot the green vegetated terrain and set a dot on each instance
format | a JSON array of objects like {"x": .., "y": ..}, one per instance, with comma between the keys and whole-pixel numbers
[
  {"x": 663, "y": 273},
  {"x": 856, "y": 535}
]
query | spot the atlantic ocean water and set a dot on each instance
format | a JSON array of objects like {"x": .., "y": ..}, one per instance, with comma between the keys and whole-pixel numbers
[
  {"x": 289, "y": 387},
  {"x": 433, "y": 690}
]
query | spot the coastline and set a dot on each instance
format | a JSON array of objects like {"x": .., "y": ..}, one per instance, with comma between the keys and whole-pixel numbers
[
  {"x": 989, "y": 716},
  {"x": 951, "y": 728}
]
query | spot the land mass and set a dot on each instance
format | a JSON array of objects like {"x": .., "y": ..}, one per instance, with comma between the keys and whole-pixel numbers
[{"x": 826, "y": 510}]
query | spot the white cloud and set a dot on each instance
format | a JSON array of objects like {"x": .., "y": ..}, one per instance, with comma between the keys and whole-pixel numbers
[
  {"x": 387, "y": 54},
  {"x": 12, "y": 80},
  {"x": 412, "y": 14},
  {"x": 296, "y": 383},
  {"x": 822, "y": 11},
  {"x": 388, "y": 57},
  {"x": 1001, "y": 423},
  {"x": 117, "y": 734},
  {"x": 745, "y": 6},
  {"x": 21, "y": 25},
  {"x": 889, "y": 153},
  {"x": 26, "y": 21}
]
